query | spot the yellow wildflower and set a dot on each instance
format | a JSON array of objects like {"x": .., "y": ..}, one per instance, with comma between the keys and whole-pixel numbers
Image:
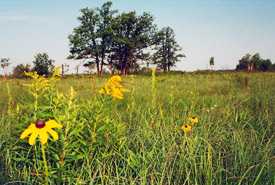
[
  {"x": 32, "y": 74},
  {"x": 114, "y": 88},
  {"x": 186, "y": 128},
  {"x": 101, "y": 91},
  {"x": 56, "y": 71},
  {"x": 194, "y": 119},
  {"x": 41, "y": 129}
]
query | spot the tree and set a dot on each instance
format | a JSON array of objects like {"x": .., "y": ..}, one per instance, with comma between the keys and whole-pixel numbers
[
  {"x": 91, "y": 40},
  {"x": 4, "y": 64},
  {"x": 64, "y": 69},
  {"x": 244, "y": 63},
  {"x": 265, "y": 65},
  {"x": 18, "y": 71},
  {"x": 42, "y": 64},
  {"x": 211, "y": 62},
  {"x": 254, "y": 63},
  {"x": 167, "y": 49},
  {"x": 133, "y": 34}
]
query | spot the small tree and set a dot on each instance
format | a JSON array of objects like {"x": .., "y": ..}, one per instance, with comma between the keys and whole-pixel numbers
[
  {"x": 265, "y": 65},
  {"x": 211, "y": 62},
  {"x": 18, "y": 71},
  {"x": 4, "y": 64},
  {"x": 64, "y": 68},
  {"x": 42, "y": 64}
]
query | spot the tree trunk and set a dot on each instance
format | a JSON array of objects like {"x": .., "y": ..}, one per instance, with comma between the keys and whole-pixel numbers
[
  {"x": 101, "y": 69},
  {"x": 97, "y": 68},
  {"x": 5, "y": 71},
  {"x": 97, "y": 65}
]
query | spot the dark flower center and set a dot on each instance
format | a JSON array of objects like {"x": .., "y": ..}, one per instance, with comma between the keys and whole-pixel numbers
[
  {"x": 40, "y": 124},
  {"x": 185, "y": 126},
  {"x": 193, "y": 117}
]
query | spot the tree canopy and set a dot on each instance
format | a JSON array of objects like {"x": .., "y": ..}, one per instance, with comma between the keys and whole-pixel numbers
[
  {"x": 91, "y": 39},
  {"x": 18, "y": 71},
  {"x": 105, "y": 37},
  {"x": 4, "y": 64},
  {"x": 254, "y": 63},
  {"x": 167, "y": 49},
  {"x": 42, "y": 64}
]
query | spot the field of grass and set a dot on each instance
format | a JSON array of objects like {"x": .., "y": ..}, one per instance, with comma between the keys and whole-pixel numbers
[{"x": 138, "y": 139}]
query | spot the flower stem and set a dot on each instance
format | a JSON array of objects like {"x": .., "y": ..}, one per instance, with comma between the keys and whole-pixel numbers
[{"x": 45, "y": 163}]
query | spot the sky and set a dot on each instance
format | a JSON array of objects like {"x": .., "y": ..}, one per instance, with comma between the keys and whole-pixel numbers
[{"x": 225, "y": 29}]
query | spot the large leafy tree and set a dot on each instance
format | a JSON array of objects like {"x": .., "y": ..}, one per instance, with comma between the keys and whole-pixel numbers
[
  {"x": 4, "y": 64},
  {"x": 133, "y": 34},
  {"x": 167, "y": 51},
  {"x": 91, "y": 39},
  {"x": 43, "y": 64}
]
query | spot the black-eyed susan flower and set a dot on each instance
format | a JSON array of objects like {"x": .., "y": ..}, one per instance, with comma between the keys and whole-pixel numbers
[
  {"x": 194, "y": 119},
  {"x": 114, "y": 88},
  {"x": 186, "y": 127},
  {"x": 41, "y": 129}
]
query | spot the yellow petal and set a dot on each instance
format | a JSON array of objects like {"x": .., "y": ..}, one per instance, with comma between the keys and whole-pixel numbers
[
  {"x": 43, "y": 136},
  {"x": 28, "y": 131},
  {"x": 53, "y": 124},
  {"x": 101, "y": 91},
  {"x": 33, "y": 137},
  {"x": 125, "y": 90},
  {"x": 53, "y": 134}
]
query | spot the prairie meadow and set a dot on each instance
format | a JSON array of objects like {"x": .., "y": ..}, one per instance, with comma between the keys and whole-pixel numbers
[{"x": 189, "y": 128}]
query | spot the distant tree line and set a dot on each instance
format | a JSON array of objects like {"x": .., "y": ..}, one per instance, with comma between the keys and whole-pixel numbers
[
  {"x": 119, "y": 41},
  {"x": 255, "y": 63},
  {"x": 43, "y": 65}
]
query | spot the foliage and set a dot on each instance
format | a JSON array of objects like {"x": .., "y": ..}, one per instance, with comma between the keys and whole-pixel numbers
[
  {"x": 106, "y": 38},
  {"x": 4, "y": 64},
  {"x": 167, "y": 49},
  {"x": 42, "y": 64},
  {"x": 133, "y": 34},
  {"x": 211, "y": 61},
  {"x": 254, "y": 62},
  {"x": 18, "y": 71},
  {"x": 91, "y": 39}
]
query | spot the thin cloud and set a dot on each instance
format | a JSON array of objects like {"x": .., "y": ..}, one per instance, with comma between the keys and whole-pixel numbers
[
  {"x": 13, "y": 18},
  {"x": 21, "y": 18}
]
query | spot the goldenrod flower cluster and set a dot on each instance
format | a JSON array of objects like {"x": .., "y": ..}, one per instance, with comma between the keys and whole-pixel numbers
[{"x": 114, "y": 88}]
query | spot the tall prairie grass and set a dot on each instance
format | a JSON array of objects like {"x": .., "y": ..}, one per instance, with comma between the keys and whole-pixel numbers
[{"x": 138, "y": 140}]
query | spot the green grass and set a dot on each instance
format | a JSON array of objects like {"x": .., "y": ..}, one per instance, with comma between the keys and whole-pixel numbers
[{"x": 139, "y": 140}]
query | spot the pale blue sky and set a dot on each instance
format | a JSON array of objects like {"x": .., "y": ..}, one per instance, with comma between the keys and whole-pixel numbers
[{"x": 225, "y": 29}]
